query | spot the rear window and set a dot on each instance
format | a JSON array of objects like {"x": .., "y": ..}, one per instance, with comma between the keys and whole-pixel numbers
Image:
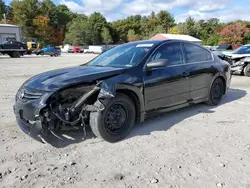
[{"x": 195, "y": 53}]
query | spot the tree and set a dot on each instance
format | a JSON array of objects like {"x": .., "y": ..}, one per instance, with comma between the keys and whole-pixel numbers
[
  {"x": 190, "y": 27},
  {"x": 234, "y": 33},
  {"x": 98, "y": 23},
  {"x": 157, "y": 30},
  {"x": 132, "y": 36},
  {"x": 79, "y": 31},
  {"x": 106, "y": 36},
  {"x": 2, "y": 9},
  {"x": 166, "y": 20},
  {"x": 24, "y": 12},
  {"x": 247, "y": 39},
  {"x": 174, "y": 30}
]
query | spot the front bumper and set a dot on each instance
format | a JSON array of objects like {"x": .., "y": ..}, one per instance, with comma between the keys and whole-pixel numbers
[
  {"x": 33, "y": 130},
  {"x": 28, "y": 116}
]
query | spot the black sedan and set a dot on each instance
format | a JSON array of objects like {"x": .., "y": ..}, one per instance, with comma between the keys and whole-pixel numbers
[
  {"x": 120, "y": 87},
  {"x": 13, "y": 45}
]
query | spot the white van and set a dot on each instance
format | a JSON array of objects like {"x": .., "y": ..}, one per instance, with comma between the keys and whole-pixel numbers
[
  {"x": 67, "y": 49},
  {"x": 94, "y": 50}
]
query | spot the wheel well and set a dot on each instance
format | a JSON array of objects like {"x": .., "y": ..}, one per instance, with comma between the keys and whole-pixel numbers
[
  {"x": 135, "y": 100},
  {"x": 224, "y": 83}
]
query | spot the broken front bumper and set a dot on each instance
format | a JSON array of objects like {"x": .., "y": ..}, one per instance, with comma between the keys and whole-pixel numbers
[
  {"x": 27, "y": 112},
  {"x": 33, "y": 130}
]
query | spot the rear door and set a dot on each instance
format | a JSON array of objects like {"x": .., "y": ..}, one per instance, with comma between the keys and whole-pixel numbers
[
  {"x": 201, "y": 70},
  {"x": 8, "y": 45},
  {"x": 167, "y": 86}
]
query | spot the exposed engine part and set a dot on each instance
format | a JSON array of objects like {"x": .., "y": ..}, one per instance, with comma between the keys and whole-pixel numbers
[
  {"x": 85, "y": 97},
  {"x": 65, "y": 112},
  {"x": 70, "y": 108}
]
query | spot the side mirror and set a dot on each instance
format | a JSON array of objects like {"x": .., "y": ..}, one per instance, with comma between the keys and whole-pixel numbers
[{"x": 157, "y": 63}]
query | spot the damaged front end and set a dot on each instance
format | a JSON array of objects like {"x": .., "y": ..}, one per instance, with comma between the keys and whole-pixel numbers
[
  {"x": 39, "y": 114},
  {"x": 238, "y": 65}
]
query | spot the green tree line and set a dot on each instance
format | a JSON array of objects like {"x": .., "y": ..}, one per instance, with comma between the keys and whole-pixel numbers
[{"x": 50, "y": 23}]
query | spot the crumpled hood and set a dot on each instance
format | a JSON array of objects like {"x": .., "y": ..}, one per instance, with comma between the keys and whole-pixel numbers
[
  {"x": 60, "y": 78},
  {"x": 235, "y": 56}
]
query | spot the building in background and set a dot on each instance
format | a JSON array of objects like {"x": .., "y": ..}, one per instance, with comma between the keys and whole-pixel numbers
[
  {"x": 176, "y": 36},
  {"x": 9, "y": 32}
]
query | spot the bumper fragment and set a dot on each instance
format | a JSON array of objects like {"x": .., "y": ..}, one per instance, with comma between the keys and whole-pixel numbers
[{"x": 33, "y": 130}]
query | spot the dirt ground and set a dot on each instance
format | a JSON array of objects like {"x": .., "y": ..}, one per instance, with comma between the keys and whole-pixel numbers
[{"x": 196, "y": 147}]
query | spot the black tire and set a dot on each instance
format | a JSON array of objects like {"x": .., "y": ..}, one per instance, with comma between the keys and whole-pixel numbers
[
  {"x": 216, "y": 92},
  {"x": 16, "y": 55},
  {"x": 42, "y": 53},
  {"x": 247, "y": 70},
  {"x": 115, "y": 121},
  {"x": 55, "y": 54}
]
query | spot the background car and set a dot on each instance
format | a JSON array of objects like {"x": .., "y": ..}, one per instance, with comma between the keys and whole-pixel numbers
[
  {"x": 240, "y": 60},
  {"x": 49, "y": 50},
  {"x": 67, "y": 49},
  {"x": 13, "y": 45},
  {"x": 94, "y": 49}
]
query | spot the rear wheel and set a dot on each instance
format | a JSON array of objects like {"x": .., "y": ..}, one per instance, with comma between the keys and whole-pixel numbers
[
  {"x": 247, "y": 70},
  {"x": 115, "y": 121},
  {"x": 15, "y": 54},
  {"x": 55, "y": 54},
  {"x": 216, "y": 92}
]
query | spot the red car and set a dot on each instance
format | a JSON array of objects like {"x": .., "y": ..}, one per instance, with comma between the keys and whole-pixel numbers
[{"x": 78, "y": 49}]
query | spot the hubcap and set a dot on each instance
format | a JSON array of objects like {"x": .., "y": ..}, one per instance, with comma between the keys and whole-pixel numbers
[{"x": 116, "y": 118}]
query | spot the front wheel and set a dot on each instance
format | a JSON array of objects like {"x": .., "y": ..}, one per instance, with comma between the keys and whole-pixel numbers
[
  {"x": 115, "y": 121},
  {"x": 247, "y": 70},
  {"x": 216, "y": 92}
]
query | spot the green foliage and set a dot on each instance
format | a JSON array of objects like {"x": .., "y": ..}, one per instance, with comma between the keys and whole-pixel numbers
[
  {"x": 2, "y": 9},
  {"x": 190, "y": 27},
  {"x": 166, "y": 20},
  {"x": 247, "y": 39},
  {"x": 157, "y": 30},
  {"x": 174, "y": 30},
  {"x": 132, "y": 36},
  {"x": 97, "y": 23},
  {"x": 79, "y": 31},
  {"x": 106, "y": 36}
]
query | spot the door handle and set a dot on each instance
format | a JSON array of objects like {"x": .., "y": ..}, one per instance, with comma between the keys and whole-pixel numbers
[{"x": 185, "y": 74}]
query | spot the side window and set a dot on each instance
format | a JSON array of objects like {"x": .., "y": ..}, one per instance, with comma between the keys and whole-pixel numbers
[
  {"x": 170, "y": 51},
  {"x": 196, "y": 54}
]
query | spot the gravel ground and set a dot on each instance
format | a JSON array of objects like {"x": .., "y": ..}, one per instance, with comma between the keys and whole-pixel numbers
[{"x": 199, "y": 146}]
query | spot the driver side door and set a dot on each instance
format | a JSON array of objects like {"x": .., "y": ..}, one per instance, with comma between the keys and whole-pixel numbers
[{"x": 167, "y": 86}]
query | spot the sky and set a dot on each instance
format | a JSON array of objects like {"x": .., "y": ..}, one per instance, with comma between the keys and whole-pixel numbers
[{"x": 225, "y": 10}]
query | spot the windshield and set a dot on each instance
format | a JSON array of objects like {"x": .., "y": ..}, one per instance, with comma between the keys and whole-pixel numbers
[
  {"x": 224, "y": 47},
  {"x": 127, "y": 55},
  {"x": 242, "y": 50}
]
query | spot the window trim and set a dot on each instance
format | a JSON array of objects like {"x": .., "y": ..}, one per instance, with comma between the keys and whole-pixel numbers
[{"x": 185, "y": 54}]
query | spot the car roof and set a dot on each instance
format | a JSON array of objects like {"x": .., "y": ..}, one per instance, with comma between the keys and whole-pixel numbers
[{"x": 247, "y": 45}]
